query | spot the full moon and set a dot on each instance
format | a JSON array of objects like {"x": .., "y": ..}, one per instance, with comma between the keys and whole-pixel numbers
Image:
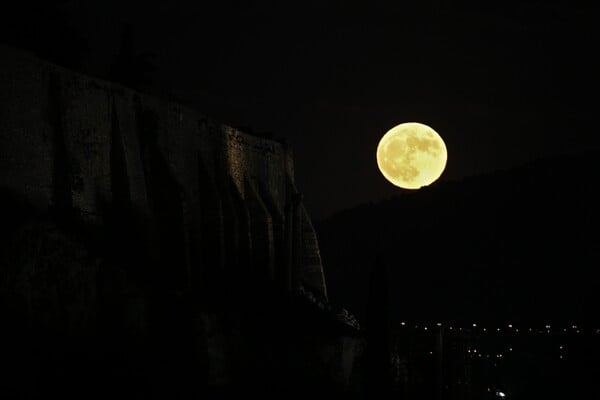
[{"x": 411, "y": 155}]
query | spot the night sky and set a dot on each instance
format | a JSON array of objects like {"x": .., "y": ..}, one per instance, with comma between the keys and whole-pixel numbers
[{"x": 502, "y": 84}]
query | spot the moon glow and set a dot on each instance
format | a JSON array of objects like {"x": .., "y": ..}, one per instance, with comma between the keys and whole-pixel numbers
[{"x": 411, "y": 155}]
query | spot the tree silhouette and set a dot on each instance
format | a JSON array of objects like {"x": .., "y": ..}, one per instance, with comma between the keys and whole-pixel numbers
[{"x": 129, "y": 67}]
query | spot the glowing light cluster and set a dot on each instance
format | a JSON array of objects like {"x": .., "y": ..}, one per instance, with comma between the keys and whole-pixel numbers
[{"x": 509, "y": 330}]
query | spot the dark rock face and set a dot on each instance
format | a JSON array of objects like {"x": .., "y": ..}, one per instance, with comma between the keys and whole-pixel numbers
[{"x": 150, "y": 251}]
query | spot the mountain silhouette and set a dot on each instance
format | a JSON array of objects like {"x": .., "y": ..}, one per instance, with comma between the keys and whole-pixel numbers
[{"x": 514, "y": 245}]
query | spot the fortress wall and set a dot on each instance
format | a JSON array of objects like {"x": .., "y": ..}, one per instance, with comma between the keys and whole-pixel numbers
[{"x": 215, "y": 197}]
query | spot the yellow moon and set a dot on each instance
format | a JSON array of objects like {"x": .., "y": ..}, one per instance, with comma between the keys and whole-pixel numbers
[{"x": 411, "y": 155}]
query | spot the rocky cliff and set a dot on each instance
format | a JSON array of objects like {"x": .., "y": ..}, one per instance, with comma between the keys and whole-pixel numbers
[{"x": 138, "y": 236}]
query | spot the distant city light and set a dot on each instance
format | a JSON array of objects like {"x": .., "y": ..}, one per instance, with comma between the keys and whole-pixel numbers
[
  {"x": 500, "y": 394},
  {"x": 495, "y": 359}
]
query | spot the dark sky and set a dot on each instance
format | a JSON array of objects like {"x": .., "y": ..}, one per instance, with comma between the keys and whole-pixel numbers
[{"x": 502, "y": 84}]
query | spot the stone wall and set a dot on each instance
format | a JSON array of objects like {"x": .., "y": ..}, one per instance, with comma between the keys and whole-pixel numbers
[
  {"x": 226, "y": 200},
  {"x": 147, "y": 247}
]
